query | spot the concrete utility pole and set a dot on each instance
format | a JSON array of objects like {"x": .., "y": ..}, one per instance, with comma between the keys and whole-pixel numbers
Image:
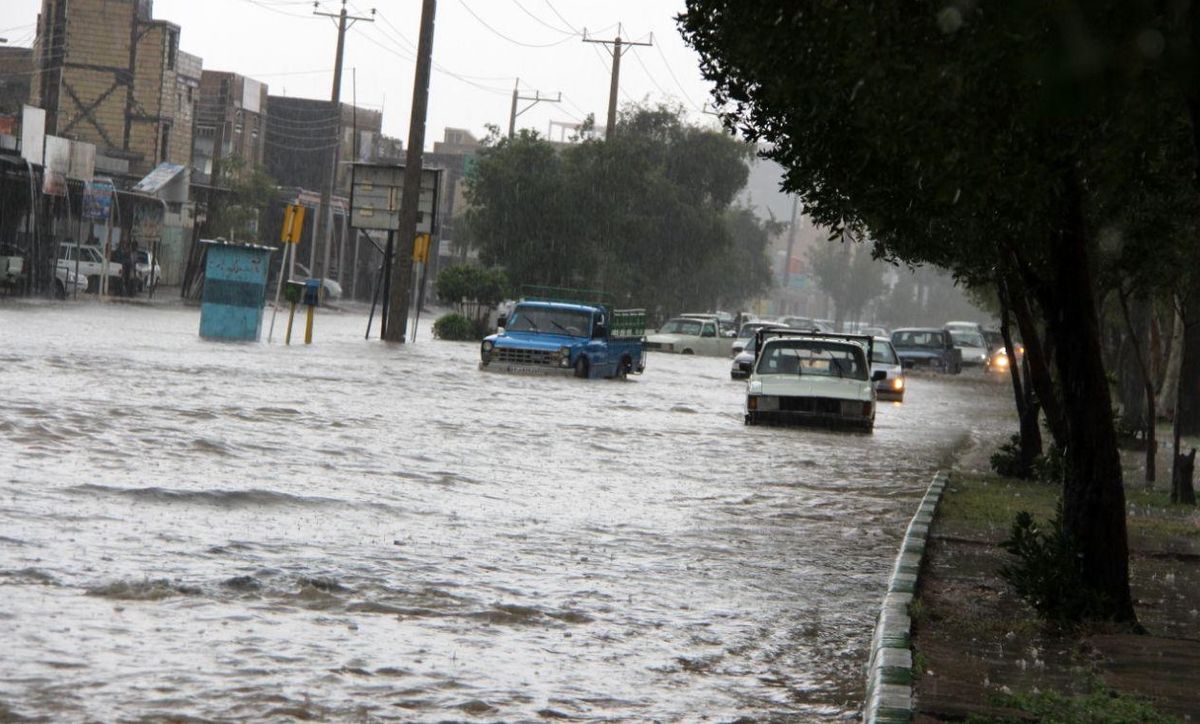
[
  {"x": 397, "y": 321},
  {"x": 619, "y": 48},
  {"x": 323, "y": 224},
  {"x": 537, "y": 98},
  {"x": 787, "y": 262}
]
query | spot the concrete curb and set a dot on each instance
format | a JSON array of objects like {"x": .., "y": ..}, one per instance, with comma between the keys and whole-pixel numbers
[{"x": 890, "y": 670}]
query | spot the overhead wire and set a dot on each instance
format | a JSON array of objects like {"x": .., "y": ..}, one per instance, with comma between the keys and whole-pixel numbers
[{"x": 510, "y": 39}]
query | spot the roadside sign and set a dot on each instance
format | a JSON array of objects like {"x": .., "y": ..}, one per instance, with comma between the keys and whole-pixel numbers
[
  {"x": 293, "y": 224},
  {"x": 421, "y": 248},
  {"x": 147, "y": 224},
  {"x": 98, "y": 199},
  {"x": 376, "y": 193}
]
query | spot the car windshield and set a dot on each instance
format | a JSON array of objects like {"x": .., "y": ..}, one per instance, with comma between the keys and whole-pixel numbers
[
  {"x": 812, "y": 357},
  {"x": 547, "y": 320},
  {"x": 687, "y": 327},
  {"x": 967, "y": 339},
  {"x": 749, "y": 328},
  {"x": 918, "y": 338},
  {"x": 882, "y": 353}
]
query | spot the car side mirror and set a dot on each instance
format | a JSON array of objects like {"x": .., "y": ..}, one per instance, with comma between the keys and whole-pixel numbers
[
  {"x": 501, "y": 320},
  {"x": 878, "y": 375}
]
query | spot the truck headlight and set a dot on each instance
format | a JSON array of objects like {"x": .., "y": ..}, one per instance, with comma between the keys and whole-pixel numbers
[
  {"x": 564, "y": 355},
  {"x": 487, "y": 346},
  {"x": 755, "y": 388},
  {"x": 898, "y": 384}
]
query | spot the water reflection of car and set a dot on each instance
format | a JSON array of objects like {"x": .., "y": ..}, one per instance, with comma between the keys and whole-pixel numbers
[
  {"x": 927, "y": 348},
  {"x": 974, "y": 349},
  {"x": 884, "y": 359},
  {"x": 812, "y": 378}
]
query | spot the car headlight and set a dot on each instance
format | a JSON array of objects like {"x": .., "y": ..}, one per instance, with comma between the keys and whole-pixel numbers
[
  {"x": 898, "y": 383},
  {"x": 564, "y": 357},
  {"x": 755, "y": 388},
  {"x": 487, "y": 346}
]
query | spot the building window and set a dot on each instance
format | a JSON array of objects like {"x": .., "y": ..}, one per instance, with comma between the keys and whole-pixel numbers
[
  {"x": 172, "y": 49},
  {"x": 164, "y": 143}
]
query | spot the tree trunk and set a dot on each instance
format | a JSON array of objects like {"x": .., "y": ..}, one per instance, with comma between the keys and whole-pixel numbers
[
  {"x": 1187, "y": 405},
  {"x": 1170, "y": 384},
  {"x": 1027, "y": 409},
  {"x": 1093, "y": 502},
  {"x": 1039, "y": 370},
  {"x": 1145, "y": 310}
]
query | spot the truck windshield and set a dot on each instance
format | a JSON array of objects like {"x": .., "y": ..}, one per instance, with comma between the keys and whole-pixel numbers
[
  {"x": 822, "y": 359},
  {"x": 687, "y": 327},
  {"x": 547, "y": 320}
]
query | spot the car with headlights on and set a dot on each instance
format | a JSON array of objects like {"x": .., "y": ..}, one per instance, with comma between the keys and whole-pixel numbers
[
  {"x": 971, "y": 345},
  {"x": 812, "y": 378},
  {"x": 884, "y": 359}
]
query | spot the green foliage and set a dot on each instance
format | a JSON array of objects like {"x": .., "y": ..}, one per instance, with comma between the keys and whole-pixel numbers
[
  {"x": 456, "y": 328},
  {"x": 244, "y": 192},
  {"x": 1051, "y": 466},
  {"x": 645, "y": 215},
  {"x": 1046, "y": 573},
  {"x": 486, "y": 287},
  {"x": 1006, "y": 461},
  {"x": 1100, "y": 706}
]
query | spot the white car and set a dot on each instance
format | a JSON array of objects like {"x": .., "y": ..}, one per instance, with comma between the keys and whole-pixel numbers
[
  {"x": 89, "y": 260},
  {"x": 147, "y": 269},
  {"x": 746, "y": 334},
  {"x": 974, "y": 348},
  {"x": 813, "y": 378},
  {"x": 885, "y": 360},
  {"x": 690, "y": 334},
  {"x": 67, "y": 283}
]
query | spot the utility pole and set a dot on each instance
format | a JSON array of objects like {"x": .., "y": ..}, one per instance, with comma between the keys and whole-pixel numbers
[
  {"x": 323, "y": 224},
  {"x": 787, "y": 262},
  {"x": 397, "y": 325},
  {"x": 537, "y": 98},
  {"x": 619, "y": 48}
]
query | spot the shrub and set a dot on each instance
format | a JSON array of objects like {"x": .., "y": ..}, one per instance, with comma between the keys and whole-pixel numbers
[
  {"x": 486, "y": 287},
  {"x": 1046, "y": 572},
  {"x": 456, "y": 328},
  {"x": 1006, "y": 461},
  {"x": 1051, "y": 467}
]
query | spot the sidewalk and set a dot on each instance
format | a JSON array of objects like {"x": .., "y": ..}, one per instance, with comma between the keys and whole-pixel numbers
[{"x": 982, "y": 654}]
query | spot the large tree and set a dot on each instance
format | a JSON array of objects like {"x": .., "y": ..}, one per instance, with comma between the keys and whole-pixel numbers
[
  {"x": 969, "y": 135},
  {"x": 646, "y": 215}
]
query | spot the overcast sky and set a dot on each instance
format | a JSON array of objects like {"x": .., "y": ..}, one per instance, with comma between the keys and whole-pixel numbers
[{"x": 480, "y": 48}]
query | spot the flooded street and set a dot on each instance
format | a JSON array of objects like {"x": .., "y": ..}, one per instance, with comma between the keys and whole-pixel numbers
[{"x": 358, "y": 531}]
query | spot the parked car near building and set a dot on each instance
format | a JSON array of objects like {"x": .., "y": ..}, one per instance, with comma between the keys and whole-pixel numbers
[
  {"x": 89, "y": 261},
  {"x": 147, "y": 270},
  {"x": 690, "y": 334},
  {"x": 12, "y": 266},
  {"x": 927, "y": 348},
  {"x": 812, "y": 378}
]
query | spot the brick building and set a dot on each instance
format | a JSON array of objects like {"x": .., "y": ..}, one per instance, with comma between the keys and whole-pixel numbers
[
  {"x": 16, "y": 73},
  {"x": 112, "y": 75},
  {"x": 231, "y": 116}
]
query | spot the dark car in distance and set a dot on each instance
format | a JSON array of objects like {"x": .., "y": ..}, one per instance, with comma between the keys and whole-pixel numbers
[{"x": 927, "y": 348}]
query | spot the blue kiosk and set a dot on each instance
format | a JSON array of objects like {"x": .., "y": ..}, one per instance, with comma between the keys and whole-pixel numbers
[{"x": 235, "y": 290}]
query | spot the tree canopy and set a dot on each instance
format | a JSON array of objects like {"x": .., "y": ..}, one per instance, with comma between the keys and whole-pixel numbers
[{"x": 648, "y": 215}]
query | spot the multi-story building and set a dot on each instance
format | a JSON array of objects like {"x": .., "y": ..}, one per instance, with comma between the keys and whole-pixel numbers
[
  {"x": 231, "y": 122},
  {"x": 16, "y": 71},
  {"x": 301, "y": 132},
  {"x": 112, "y": 75}
]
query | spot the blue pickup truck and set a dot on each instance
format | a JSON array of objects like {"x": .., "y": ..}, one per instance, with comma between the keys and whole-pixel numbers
[{"x": 551, "y": 336}]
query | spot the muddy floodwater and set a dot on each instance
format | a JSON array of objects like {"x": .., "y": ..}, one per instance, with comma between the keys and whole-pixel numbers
[{"x": 358, "y": 531}]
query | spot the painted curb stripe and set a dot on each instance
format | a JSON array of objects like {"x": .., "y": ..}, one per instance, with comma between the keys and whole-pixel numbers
[{"x": 889, "y": 671}]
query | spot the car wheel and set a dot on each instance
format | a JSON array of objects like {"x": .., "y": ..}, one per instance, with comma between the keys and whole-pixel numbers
[
  {"x": 686, "y": 351},
  {"x": 581, "y": 367},
  {"x": 624, "y": 368}
]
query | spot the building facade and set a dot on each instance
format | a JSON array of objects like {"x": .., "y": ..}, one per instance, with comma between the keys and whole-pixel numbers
[
  {"x": 112, "y": 75},
  {"x": 231, "y": 123},
  {"x": 301, "y": 132}
]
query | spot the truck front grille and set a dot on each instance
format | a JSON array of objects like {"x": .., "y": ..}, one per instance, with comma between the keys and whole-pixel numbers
[{"x": 516, "y": 356}]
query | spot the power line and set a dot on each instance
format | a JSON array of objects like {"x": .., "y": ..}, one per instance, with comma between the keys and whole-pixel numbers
[
  {"x": 512, "y": 40},
  {"x": 571, "y": 32}
]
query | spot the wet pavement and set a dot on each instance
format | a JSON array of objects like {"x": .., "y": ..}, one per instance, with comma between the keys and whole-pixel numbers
[{"x": 357, "y": 531}]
